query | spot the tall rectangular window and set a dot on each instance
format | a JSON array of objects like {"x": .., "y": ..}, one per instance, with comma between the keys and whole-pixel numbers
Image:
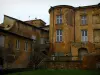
[
  {"x": 59, "y": 19},
  {"x": 26, "y": 46},
  {"x": 59, "y": 35},
  {"x": 84, "y": 36},
  {"x": 96, "y": 19},
  {"x": 17, "y": 44},
  {"x": 83, "y": 20}
]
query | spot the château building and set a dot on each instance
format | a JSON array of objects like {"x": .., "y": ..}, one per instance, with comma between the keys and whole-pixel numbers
[{"x": 74, "y": 31}]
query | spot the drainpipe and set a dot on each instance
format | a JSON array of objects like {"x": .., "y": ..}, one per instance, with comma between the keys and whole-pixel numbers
[
  {"x": 53, "y": 28},
  {"x": 74, "y": 26}
]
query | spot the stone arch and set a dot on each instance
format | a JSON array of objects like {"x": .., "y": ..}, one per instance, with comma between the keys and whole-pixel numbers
[{"x": 82, "y": 52}]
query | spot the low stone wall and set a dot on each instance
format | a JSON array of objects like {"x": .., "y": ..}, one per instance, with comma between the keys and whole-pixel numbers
[
  {"x": 91, "y": 62},
  {"x": 63, "y": 64}
]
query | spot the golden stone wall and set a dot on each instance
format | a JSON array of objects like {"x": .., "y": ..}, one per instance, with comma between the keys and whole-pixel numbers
[
  {"x": 17, "y": 27},
  {"x": 71, "y": 26},
  {"x": 67, "y": 30}
]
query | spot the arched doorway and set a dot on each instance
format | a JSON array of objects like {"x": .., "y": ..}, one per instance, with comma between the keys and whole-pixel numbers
[{"x": 82, "y": 52}]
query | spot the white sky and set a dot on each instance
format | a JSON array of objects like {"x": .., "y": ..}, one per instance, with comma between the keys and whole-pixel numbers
[{"x": 22, "y": 9}]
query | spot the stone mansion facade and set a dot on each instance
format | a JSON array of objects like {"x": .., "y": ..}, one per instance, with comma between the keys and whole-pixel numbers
[{"x": 74, "y": 31}]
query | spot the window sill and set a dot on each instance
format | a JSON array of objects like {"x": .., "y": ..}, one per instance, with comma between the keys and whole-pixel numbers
[
  {"x": 17, "y": 49},
  {"x": 59, "y": 24},
  {"x": 59, "y": 42},
  {"x": 25, "y": 50},
  {"x": 83, "y": 24},
  {"x": 96, "y": 23},
  {"x": 96, "y": 42}
]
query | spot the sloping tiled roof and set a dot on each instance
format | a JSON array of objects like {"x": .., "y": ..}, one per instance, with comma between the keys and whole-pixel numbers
[
  {"x": 30, "y": 21},
  {"x": 5, "y": 31},
  {"x": 26, "y": 23}
]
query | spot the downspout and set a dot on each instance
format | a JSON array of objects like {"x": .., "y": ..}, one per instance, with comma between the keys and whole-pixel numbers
[
  {"x": 74, "y": 31},
  {"x": 74, "y": 26},
  {"x": 53, "y": 28}
]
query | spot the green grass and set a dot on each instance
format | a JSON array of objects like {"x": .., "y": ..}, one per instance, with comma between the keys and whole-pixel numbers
[{"x": 58, "y": 72}]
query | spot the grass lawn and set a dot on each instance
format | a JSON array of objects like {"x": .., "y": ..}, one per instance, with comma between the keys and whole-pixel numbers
[{"x": 58, "y": 72}]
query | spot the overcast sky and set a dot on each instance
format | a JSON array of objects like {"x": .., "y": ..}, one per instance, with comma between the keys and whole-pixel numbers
[{"x": 22, "y": 9}]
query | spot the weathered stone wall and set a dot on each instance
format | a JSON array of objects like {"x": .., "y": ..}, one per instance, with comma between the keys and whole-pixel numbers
[
  {"x": 66, "y": 26},
  {"x": 63, "y": 65}
]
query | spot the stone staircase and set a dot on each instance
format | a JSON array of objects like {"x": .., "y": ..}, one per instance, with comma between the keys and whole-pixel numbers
[{"x": 37, "y": 60}]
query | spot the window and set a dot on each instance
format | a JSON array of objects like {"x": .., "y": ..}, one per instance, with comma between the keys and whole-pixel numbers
[
  {"x": 96, "y": 19},
  {"x": 59, "y": 19},
  {"x": 17, "y": 44},
  {"x": 83, "y": 19},
  {"x": 84, "y": 37},
  {"x": 96, "y": 36},
  {"x": 42, "y": 41},
  {"x": 59, "y": 35},
  {"x": 69, "y": 17},
  {"x": 26, "y": 45},
  {"x": 33, "y": 37}
]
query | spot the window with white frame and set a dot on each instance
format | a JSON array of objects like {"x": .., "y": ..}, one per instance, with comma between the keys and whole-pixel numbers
[
  {"x": 26, "y": 46},
  {"x": 84, "y": 37},
  {"x": 59, "y": 19},
  {"x": 17, "y": 44},
  {"x": 83, "y": 19},
  {"x": 59, "y": 35}
]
